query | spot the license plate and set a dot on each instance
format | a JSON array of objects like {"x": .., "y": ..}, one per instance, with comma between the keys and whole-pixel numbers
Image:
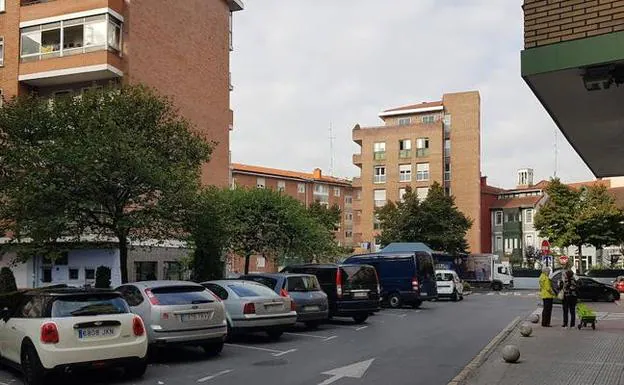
[
  {"x": 311, "y": 308},
  {"x": 423, "y": 293},
  {"x": 360, "y": 295},
  {"x": 89, "y": 333},
  {"x": 194, "y": 317},
  {"x": 274, "y": 306}
]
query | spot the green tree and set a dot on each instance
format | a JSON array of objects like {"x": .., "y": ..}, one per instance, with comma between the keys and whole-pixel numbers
[
  {"x": 115, "y": 163},
  {"x": 435, "y": 221},
  {"x": 554, "y": 218},
  {"x": 329, "y": 217}
]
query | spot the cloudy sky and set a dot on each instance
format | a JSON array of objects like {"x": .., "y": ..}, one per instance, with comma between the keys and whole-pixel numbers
[{"x": 301, "y": 65}]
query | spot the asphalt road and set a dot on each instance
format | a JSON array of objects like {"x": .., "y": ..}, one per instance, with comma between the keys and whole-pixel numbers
[{"x": 426, "y": 346}]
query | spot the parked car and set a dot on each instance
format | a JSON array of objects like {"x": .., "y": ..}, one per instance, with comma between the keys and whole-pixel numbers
[
  {"x": 404, "y": 278},
  {"x": 352, "y": 290},
  {"x": 618, "y": 284},
  {"x": 178, "y": 312},
  {"x": 254, "y": 307},
  {"x": 589, "y": 289},
  {"x": 310, "y": 300},
  {"x": 449, "y": 285},
  {"x": 68, "y": 328}
]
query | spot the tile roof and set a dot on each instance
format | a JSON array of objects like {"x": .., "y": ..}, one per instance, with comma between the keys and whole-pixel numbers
[
  {"x": 286, "y": 173},
  {"x": 414, "y": 106},
  {"x": 516, "y": 202}
]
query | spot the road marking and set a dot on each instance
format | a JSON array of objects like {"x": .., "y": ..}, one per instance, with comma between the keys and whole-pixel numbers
[
  {"x": 517, "y": 294},
  {"x": 356, "y": 370},
  {"x": 254, "y": 348},
  {"x": 360, "y": 328},
  {"x": 208, "y": 378},
  {"x": 285, "y": 352},
  {"x": 307, "y": 335},
  {"x": 343, "y": 327},
  {"x": 330, "y": 338},
  {"x": 394, "y": 315},
  {"x": 490, "y": 293}
]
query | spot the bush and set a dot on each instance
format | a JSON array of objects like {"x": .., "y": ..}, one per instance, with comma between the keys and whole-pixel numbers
[
  {"x": 605, "y": 273},
  {"x": 467, "y": 287},
  {"x": 7, "y": 281},
  {"x": 103, "y": 277}
]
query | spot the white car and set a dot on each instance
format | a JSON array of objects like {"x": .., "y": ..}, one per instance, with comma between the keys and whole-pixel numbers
[
  {"x": 66, "y": 328},
  {"x": 449, "y": 285}
]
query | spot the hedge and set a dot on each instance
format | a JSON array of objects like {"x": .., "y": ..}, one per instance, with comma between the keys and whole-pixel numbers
[
  {"x": 526, "y": 273},
  {"x": 605, "y": 273}
]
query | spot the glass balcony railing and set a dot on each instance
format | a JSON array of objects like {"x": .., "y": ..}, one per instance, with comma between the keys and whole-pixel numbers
[
  {"x": 380, "y": 155},
  {"x": 422, "y": 152},
  {"x": 404, "y": 154},
  {"x": 32, "y": 2}
]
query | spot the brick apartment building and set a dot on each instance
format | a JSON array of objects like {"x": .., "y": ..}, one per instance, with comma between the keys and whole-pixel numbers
[
  {"x": 417, "y": 145},
  {"x": 307, "y": 188},
  {"x": 181, "y": 48}
]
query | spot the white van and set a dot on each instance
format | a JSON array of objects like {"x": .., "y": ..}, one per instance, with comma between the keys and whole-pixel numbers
[{"x": 449, "y": 285}]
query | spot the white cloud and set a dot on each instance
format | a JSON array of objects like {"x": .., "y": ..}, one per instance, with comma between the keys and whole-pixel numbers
[{"x": 299, "y": 65}]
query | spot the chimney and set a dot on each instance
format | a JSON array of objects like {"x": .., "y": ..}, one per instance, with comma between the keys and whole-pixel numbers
[
  {"x": 317, "y": 173},
  {"x": 525, "y": 178}
]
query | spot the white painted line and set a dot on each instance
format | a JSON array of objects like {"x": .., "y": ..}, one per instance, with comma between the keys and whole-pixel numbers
[
  {"x": 208, "y": 378},
  {"x": 394, "y": 315},
  {"x": 307, "y": 335},
  {"x": 490, "y": 293},
  {"x": 360, "y": 328},
  {"x": 254, "y": 348},
  {"x": 517, "y": 294},
  {"x": 417, "y": 311},
  {"x": 330, "y": 338},
  {"x": 285, "y": 352},
  {"x": 343, "y": 327}
]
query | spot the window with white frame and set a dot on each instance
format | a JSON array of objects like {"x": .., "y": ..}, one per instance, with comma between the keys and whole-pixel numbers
[
  {"x": 336, "y": 191},
  {"x": 447, "y": 147},
  {"x": 70, "y": 37},
  {"x": 348, "y": 216},
  {"x": 348, "y": 200},
  {"x": 405, "y": 144},
  {"x": 405, "y": 172},
  {"x": 281, "y": 185},
  {"x": 529, "y": 240},
  {"x": 301, "y": 188},
  {"x": 380, "y": 198},
  {"x": 405, "y": 121},
  {"x": 230, "y": 35},
  {"x": 348, "y": 234},
  {"x": 2, "y": 5},
  {"x": 260, "y": 183},
  {"x": 428, "y": 119},
  {"x": 321, "y": 189},
  {"x": 402, "y": 192},
  {"x": 422, "y": 171},
  {"x": 421, "y": 193},
  {"x": 379, "y": 146},
  {"x": 379, "y": 175},
  {"x": 528, "y": 216},
  {"x": 422, "y": 143},
  {"x": 498, "y": 243},
  {"x": 498, "y": 218},
  {"x": 447, "y": 171},
  {"x": 260, "y": 261},
  {"x": 1, "y": 51}
]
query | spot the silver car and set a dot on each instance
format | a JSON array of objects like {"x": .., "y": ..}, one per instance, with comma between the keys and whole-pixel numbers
[
  {"x": 254, "y": 307},
  {"x": 178, "y": 312}
]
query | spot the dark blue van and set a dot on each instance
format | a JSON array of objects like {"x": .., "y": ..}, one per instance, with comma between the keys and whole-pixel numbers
[{"x": 405, "y": 277}]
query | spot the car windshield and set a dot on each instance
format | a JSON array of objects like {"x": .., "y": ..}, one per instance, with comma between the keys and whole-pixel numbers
[
  {"x": 303, "y": 283},
  {"x": 88, "y": 306},
  {"x": 444, "y": 277},
  {"x": 251, "y": 290},
  {"x": 182, "y": 295}
]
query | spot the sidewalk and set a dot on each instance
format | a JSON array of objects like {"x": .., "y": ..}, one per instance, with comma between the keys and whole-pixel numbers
[{"x": 562, "y": 356}]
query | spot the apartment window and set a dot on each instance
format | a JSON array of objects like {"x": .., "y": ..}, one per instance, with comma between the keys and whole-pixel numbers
[
  {"x": 2, "y": 5},
  {"x": 421, "y": 193},
  {"x": 380, "y": 198},
  {"x": 447, "y": 147},
  {"x": 1, "y": 51},
  {"x": 46, "y": 274},
  {"x": 498, "y": 243},
  {"x": 428, "y": 119},
  {"x": 230, "y": 34},
  {"x": 498, "y": 218},
  {"x": 260, "y": 261},
  {"x": 281, "y": 185},
  {"x": 379, "y": 150},
  {"x": 73, "y": 274},
  {"x": 405, "y": 121},
  {"x": 70, "y": 37},
  {"x": 321, "y": 189},
  {"x": 89, "y": 274},
  {"x": 405, "y": 172},
  {"x": 422, "y": 171},
  {"x": 336, "y": 191},
  {"x": 402, "y": 192},
  {"x": 348, "y": 234},
  {"x": 348, "y": 200},
  {"x": 301, "y": 188},
  {"x": 529, "y": 240},
  {"x": 515, "y": 243},
  {"x": 380, "y": 174},
  {"x": 358, "y": 194},
  {"x": 422, "y": 146},
  {"x": 405, "y": 148},
  {"x": 260, "y": 183},
  {"x": 528, "y": 216},
  {"x": 447, "y": 171},
  {"x": 348, "y": 216}
]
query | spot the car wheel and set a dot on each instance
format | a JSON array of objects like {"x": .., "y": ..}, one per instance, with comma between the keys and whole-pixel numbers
[
  {"x": 455, "y": 296},
  {"x": 136, "y": 370},
  {"x": 610, "y": 297},
  {"x": 394, "y": 300},
  {"x": 360, "y": 318},
  {"x": 34, "y": 372},
  {"x": 275, "y": 334},
  {"x": 312, "y": 324},
  {"x": 213, "y": 349},
  {"x": 416, "y": 304},
  {"x": 497, "y": 286}
]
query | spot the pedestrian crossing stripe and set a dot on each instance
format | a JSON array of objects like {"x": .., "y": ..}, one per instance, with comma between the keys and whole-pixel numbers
[{"x": 508, "y": 293}]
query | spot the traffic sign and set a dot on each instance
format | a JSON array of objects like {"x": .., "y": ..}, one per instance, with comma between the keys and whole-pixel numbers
[
  {"x": 545, "y": 247},
  {"x": 563, "y": 259}
]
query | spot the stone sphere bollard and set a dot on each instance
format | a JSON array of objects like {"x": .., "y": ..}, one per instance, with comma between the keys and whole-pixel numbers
[
  {"x": 526, "y": 330},
  {"x": 534, "y": 318},
  {"x": 511, "y": 353}
]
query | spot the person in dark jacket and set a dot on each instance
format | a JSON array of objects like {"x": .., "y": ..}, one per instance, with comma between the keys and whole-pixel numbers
[{"x": 568, "y": 286}]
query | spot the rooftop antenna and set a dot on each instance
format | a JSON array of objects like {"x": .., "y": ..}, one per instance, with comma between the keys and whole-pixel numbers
[
  {"x": 331, "y": 149},
  {"x": 556, "y": 152}
]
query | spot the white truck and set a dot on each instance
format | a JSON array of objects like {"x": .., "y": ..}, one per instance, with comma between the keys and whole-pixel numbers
[{"x": 480, "y": 270}]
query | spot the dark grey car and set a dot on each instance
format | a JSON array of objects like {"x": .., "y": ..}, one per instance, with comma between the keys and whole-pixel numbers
[{"x": 310, "y": 300}]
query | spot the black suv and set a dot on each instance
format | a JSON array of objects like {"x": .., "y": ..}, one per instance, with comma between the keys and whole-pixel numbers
[{"x": 352, "y": 290}]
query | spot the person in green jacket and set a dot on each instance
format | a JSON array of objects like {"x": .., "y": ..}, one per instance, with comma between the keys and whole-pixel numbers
[{"x": 547, "y": 294}]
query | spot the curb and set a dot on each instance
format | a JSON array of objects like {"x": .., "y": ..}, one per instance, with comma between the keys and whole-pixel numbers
[
  {"x": 483, "y": 355},
  {"x": 467, "y": 292}
]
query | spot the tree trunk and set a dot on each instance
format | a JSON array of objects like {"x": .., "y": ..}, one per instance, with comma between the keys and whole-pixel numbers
[
  {"x": 123, "y": 257},
  {"x": 247, "y": 258},
  {"x": 580, "y": 253}
]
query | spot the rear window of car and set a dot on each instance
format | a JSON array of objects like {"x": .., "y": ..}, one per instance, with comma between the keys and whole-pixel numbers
[
  {"x": 266, "y": 281},
  {"x": 425, "y": 265},
  {"x": 79, "y": 306},
  {"x": 444, "y": 277},
  {"x": 358, "y": 275},
  {"x": 182, "y": 295},
  {"x": 303, "y": 283},
  {"x": 251, "y": 290}
]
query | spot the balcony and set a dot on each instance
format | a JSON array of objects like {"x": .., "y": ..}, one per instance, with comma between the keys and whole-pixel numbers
[
  {"x": 405, "y": 154},
  {"x": 44, "y": 9},
  {"x": 422, "y": 152},
  {"x": 357, "y": 160},
  {"x": 379, "y": 155},
  {"x": 357, "y": 134}
]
